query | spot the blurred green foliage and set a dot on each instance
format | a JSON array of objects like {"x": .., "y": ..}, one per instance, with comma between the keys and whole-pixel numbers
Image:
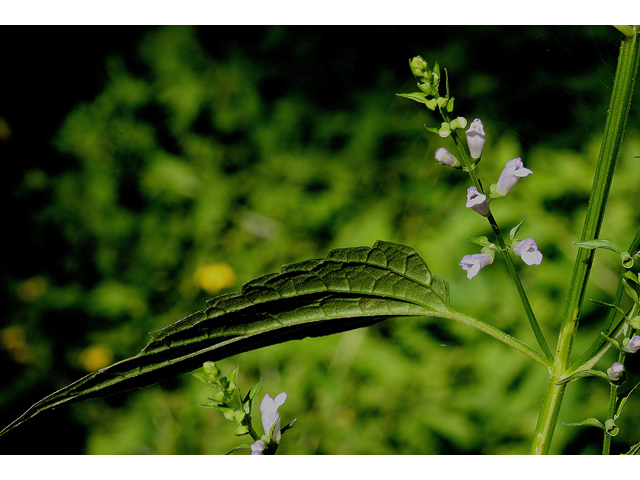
[{"x": 210, "y": 158}]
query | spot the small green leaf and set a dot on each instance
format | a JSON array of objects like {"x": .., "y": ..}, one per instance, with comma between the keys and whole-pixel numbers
[
  {"x": 612, "y": 341},
  {"x": 634, "y": 322},
  {"x": 241, "y": 430},
  {"x": 514, "y": 230},
  {"x": 634, "y": 450},
  {"x": 351, "y": 288},
  {"x": 200, "y": 375},
  {"x": 419, "y": 97},
  {"x": 482, "y": 240},
  {"x": 610, "y": 305},
  {"x": 622, "y": 399},
  {"x": 253, "y": 392},
  {"x": 450, "y": 102},
  {"x": 288, "y": 425},
  {"x": 600, "y": 243},
  {"x": 247, "y": 403},
  {"x": 627, "y": 30},
  {"x": 431, "y": 104},
  {"x": 630, "y": 291},
  {"x": 589, "y": 422},
  {"x": 233, "y": 380},
  {"x": 244, "y": 446},
  {"x": 582, "y": 374}
]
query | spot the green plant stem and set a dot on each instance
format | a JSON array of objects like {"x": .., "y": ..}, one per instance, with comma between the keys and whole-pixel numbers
[
  {"x": 613, "y": 396},
  {"x": 499, "y": 335},
  {"x": 606, "y": 442},
  {"x": 612, "y": 139},
  {"x": 523, "y": 295}
]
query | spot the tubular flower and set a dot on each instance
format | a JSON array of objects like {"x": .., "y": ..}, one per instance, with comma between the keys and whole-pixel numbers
[
  {"x": 270, "y": 416},
  {"x": 475, "y": 138},
  {"x": 473, "y": 263},
  {"x": 477, "y": 202},
  {"x": 615, "y": 372},
  {"x": 527, "y": 250},
  {"x": 513, "y": 171},
  {"x": 445, "y": 157}
]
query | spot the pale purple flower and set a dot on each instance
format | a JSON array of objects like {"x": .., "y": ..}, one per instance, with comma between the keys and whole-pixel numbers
[
  {"x": 445, "y": 157},
  {"x": 270, "y": 416},
  {"x": 513, "y": 171},
  {"x": 475, "y": 138},
  {"x": 615, "y": 372},
  {"x": 257, "y": 447},
  {"x": 527, "y": 250},
  {"x": 477, "y": 202},
  {"x": 473, "y": 263},
  {"x": 634, "y": 344}
]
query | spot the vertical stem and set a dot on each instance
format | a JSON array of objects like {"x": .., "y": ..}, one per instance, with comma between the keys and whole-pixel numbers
[
  {"x": 523, "y": 296},
  {"x": 548, "y": 416},
  {"x": 612, "y": 139}
]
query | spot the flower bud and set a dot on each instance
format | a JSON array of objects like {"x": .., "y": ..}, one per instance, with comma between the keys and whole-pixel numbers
[
  {"x": 459, "y": 122},
  {"x": 616, "y": 371},
  {"x": 445, "y": 157},
  {"x": 513, "y": 171},
  {"x": 527, "y": 250},
  {"x": 477, "y": 202},
  {"x": 419, "y": 67},
  {"x": 475, "y": 138},
  {"x": 473, "y": 263},
  {"x": 445, "y": 130},
  {"x": 634, "y": 344}
]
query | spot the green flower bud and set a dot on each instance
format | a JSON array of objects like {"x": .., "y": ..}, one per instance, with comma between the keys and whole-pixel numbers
[
  {"x": 445, "y": 130},
  {"x": 426, "y": 88},
  {"x": 419, "y": 67},
  {"x": 459, "y": 122}
]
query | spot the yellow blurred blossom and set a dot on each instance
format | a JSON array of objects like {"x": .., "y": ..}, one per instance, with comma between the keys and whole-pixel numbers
[
  {"x": 215, "y": 277},
  {"x": 32, "y": 289},
  {"x": 14, "y": 341},
  {"x": 95, "y": 357}
]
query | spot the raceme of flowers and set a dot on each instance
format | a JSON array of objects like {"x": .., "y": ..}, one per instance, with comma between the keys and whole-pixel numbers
[{"x": 478, "y": 201}]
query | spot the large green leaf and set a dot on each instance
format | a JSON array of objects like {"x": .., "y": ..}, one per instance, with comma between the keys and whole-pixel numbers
[{"x": 351, "y": 288}]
